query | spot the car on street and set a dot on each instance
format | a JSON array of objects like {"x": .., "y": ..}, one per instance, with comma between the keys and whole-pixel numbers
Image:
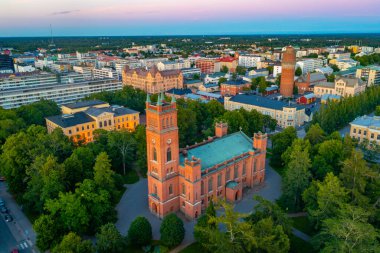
[
  {"x": 2, "y": 179},
  {"x": 2, "y": 203},
  {"x": 8, "y": 218},
  {"x": 3, "y": 209},
  {"x": 15, "y": 251}
]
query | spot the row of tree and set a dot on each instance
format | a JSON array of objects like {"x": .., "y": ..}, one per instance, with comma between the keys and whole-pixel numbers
[
  {"x": 14, "y": 120},
  {"x": 337, "y": 114},
  {"x": 267, "y": 229},
  {"x": 327, "y": 177}
]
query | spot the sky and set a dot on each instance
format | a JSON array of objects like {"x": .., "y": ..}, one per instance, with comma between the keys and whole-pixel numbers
[{"x": 186, "y": 17}]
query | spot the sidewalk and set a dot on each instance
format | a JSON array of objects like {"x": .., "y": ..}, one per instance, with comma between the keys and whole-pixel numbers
[{"x": 20, "y": 227}]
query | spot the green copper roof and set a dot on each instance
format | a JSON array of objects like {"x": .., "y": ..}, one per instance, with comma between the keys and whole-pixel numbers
[
  {"x": 231, "y": 184},
  {"x": 220, "y": 150}
]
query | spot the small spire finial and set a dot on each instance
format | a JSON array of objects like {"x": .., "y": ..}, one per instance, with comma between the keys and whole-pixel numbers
[{"x": 240, "y": 128}]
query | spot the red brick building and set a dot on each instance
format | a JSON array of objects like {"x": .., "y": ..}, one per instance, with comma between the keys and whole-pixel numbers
[
  {"x": 288, "y": 71},
  {"x": 186, "y": 180},
  {"x": 208, "y": 65},
  {"x": 233, "y": 87},
  {"x": 305, "y": 83}
]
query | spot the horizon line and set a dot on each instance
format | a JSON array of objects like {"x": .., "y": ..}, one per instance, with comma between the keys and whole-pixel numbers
[{"x": 206, "y": 35}]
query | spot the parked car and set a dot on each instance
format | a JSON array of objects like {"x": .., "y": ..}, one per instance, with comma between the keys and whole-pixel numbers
[
  {"x": 2, "y": 203},
  {"x": 3, "y": 209},
  {"x": 2, "y": 179},
  {"x": 15, "y": 251},
  {"x": 8, "y": 218}
]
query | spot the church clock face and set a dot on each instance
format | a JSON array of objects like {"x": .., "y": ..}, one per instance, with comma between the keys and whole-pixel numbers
[{"x": 169, "y": 141}]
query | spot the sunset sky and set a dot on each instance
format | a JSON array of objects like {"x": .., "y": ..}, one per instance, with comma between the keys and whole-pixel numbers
[{"x": 186, "y": 17}]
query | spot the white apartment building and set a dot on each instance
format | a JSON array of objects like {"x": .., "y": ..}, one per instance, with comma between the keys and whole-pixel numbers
[
  {"x": 301, "y": 53},
  {"x": 152, "y": 61},
  {"x": 61, "y": 93},
  {"x": 22, "y": 68},
  {"x": 344, "y": 64},
  {"x": 173, "y": 65},
  {"x": 249, "y": 61},
  {"x": 325, "y": 70},
  {"x": 367, "y": 50},
  {"x": 309, "y": 65},
  {"x": 104, "y": 73},
  {"x": 120, "y": 65},
  {"x": 40, "y": 64},
  {"x": 277, "y": 70},
  {"x": 83, "y": 70},
  {"x": 37, "y": 80}
]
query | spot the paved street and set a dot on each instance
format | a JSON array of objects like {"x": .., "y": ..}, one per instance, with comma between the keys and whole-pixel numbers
[
  {"x": 18, "y": 233},
  {"x": 135, "y": 203}
]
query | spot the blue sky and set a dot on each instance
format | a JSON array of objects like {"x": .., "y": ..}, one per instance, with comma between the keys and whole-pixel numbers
[{"x": 172, "y": 17}]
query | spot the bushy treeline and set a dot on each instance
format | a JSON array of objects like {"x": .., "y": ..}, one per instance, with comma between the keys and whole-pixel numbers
[
  {"x": 14, "y": 120},
  {"x": 326, "y": 176},
  {"x": 337, "y": 114}
]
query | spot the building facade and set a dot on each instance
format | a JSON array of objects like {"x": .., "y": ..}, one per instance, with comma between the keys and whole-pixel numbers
[
  {"x": 309, "y": 65},
  {"x": 152, "y": 80},
  {"x": 288, "y": 72},
  {"x": 186, "y": 180},
  {"x": 306, "y": 83},
  {"x": 23, "y": 90},
  {"x": 366, "y": 127},
  {"x": 285, "y": 114},
  {"x": 233, "y": 87},
  {"x": 80, "y": 120},
  {"x": 208, "y": 65},
  {"x": 249, "y": 61},
  {"x": 371, "y": 74},
  {"x": 343, "y": 86}
]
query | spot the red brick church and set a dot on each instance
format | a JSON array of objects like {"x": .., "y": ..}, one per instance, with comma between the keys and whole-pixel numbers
[{"x": 187, "y": 179}]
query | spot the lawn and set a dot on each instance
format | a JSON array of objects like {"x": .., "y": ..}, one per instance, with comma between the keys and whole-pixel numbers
[
  {"x": 303, "y": 224},
  {"x": 193, "y": 248},
  {"x": 298, "y": 245}
]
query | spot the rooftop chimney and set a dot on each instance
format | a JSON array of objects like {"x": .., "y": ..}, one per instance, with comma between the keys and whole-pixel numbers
[{"x": 221, "y": 129}]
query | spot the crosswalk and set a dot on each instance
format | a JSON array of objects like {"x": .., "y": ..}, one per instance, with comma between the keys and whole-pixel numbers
[{"x": 23, "y": 245}]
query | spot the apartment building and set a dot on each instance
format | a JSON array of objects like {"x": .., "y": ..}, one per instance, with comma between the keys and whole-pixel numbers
[
  {"x": 24, "y": 90},
  {"x": 343, "y": 86},
  {"x": 285, "y": 114},
  {"x": 208, "y": 65},
  {"x": 83, "y": 118},
  {"x": 371, "y": 74},
  {"x": 309, "y": 65},
  {"x": 366, "y": 127},
  {"x": 344, "y": 64},
  {"x": 104, "y": 73},
  {"x": 173, "y": 65},
  {"x": 249, "y": 61}
]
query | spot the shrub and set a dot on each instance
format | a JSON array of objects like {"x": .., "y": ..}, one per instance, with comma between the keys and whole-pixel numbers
[
  {"x": 140, "y": 232},
  {"x": 172, "y": 231}
]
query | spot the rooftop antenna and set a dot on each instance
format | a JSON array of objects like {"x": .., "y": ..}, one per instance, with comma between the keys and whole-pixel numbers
[{"x": 51, "y": 37}]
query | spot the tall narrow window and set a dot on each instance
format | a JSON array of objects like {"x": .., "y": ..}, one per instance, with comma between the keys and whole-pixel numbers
[
  {"x": 203, "y": 187},
  {"x": 183, "y": 189},
  {"x": 154, "y": 154},
  {"x": 210, "y": 184},
  {"x": 169, "y": 154},
  {"x": 244, "y": 167},
  {"x": 236, "y": 171},
  {"x": 170, "y": 189},
  {"x": 219, "y": 180},
  {"x": 227, "y": 175},
  {"x": 155, "y": 189}
]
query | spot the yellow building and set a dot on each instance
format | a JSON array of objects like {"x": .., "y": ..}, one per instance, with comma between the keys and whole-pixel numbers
[
  {"x": 343, "y": 86},
  {"x": 152, "y": 80},
  {"x": 371, "y": 74},
  {"x": 366, "y": 127},
  {"x": 80, "y": 120}
]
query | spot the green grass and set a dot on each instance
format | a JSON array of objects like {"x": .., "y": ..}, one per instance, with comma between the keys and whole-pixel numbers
[
  {"x": 131, "y": 177},
  {"x": 193, "y": 248},
  {"x": 298, "y": 245},
  {"x": 303, "y": 224}
]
